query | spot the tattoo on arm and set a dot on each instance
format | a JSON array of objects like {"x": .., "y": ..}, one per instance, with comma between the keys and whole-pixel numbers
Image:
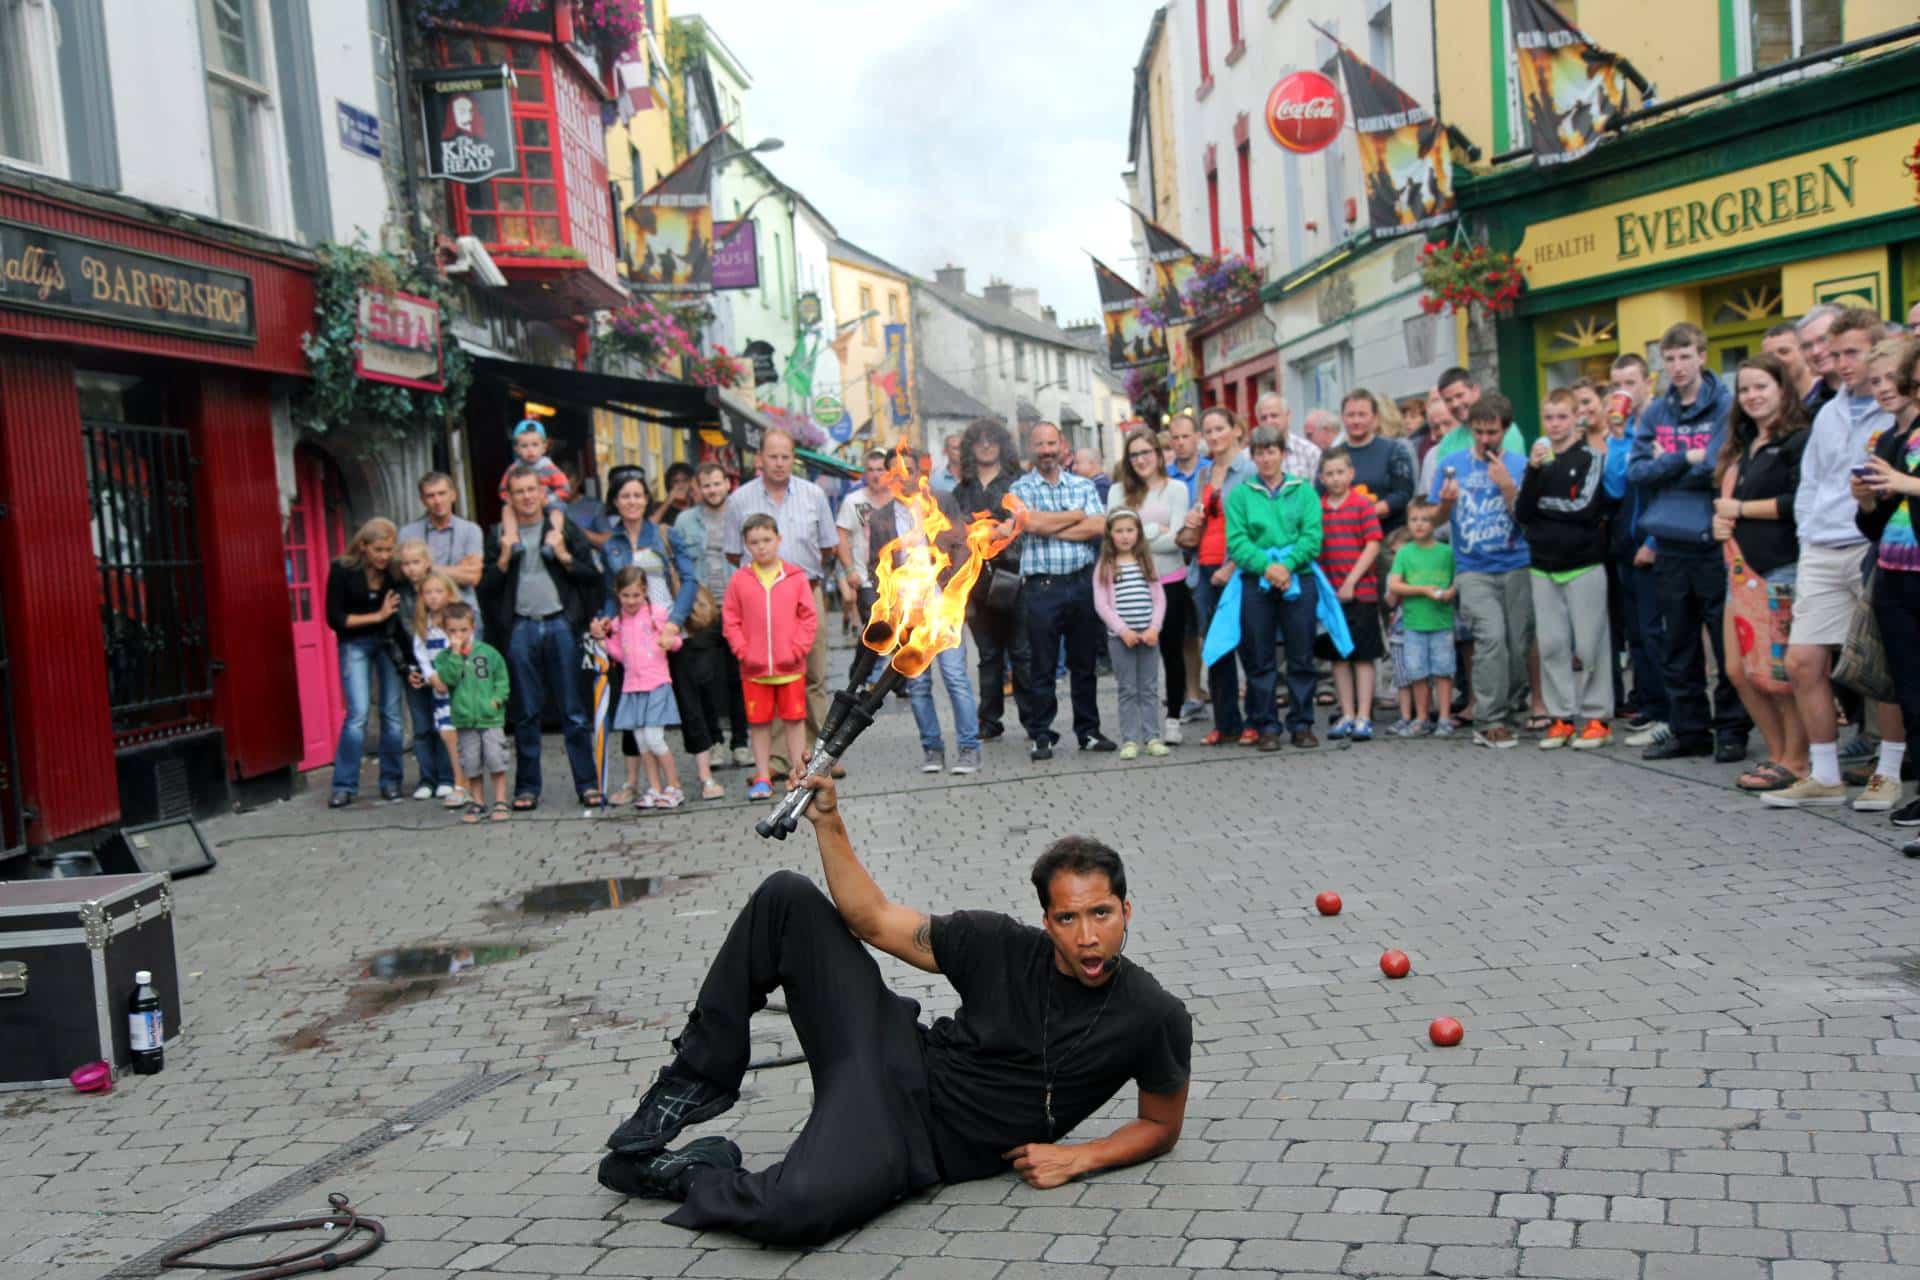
[{"x": 923, "y": 936}]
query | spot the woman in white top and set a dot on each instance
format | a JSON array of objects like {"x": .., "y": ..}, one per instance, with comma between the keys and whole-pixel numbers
[{"x": 1141, "y": 484}]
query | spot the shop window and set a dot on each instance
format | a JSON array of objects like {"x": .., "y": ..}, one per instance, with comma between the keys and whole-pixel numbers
[
  {"x": 1575, "y": 345},
  {"x": 1419, "y": 333},
  {"x": 1781, "y": 30},
  {"x": 28, "y": 120},
  {"x": 866, "y": 319},
  {"x": 1738, "y": 315},
  {"x": 233, "y": 41}
]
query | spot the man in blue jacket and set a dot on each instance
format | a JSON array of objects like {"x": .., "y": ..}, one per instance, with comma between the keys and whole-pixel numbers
[
  {"x": 1633, "y": 561},
  {"x": 1674, "y": 445}
]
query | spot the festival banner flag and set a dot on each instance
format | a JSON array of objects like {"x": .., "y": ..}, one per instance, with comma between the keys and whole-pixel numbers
[
  {"x": 1173, "y": 266},
  {"x": 892, "y": 378},
  {"x": 670, "y": 230},
  {"x": 1404, "y": 157},
  {"x": 1569, "y": 86},
  {"x": 1130, "y": 341}
]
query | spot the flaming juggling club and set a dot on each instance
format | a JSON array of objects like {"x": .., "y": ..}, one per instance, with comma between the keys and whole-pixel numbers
[{"x": 846, "y": 720}]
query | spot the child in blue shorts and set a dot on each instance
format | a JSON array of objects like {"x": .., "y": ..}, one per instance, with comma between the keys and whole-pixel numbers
[{"x": 1422, "y": 583}]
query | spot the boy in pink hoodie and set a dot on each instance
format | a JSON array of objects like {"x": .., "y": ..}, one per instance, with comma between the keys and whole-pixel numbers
[{"x": 768, "y": 619}]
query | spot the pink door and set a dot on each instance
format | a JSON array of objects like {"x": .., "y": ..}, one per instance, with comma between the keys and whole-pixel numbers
[{"x": 313, "y": 539}]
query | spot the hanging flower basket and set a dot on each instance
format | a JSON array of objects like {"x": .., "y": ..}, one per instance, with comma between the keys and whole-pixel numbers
[
  {"x": 717, "y": 370},
  {"x": 657, "y": 337},
  {"x": 1459, "y": 274},
  {"x": 1912, "y": 165},
  {"x": 1225, "y": 283},
  {"x": 610, "y": 25}
]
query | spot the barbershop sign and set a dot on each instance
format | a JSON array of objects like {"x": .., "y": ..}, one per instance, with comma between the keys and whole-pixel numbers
[
  {"x": 89, "y": 280},
  {"x": 1813, "y": 191}
]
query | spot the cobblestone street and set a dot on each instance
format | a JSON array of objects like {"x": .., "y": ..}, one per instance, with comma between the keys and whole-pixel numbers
[{"x": 1692, "y": 1028}]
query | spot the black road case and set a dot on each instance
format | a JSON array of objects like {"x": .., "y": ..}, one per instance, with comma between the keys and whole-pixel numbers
[{"x": 68, "y": 953}]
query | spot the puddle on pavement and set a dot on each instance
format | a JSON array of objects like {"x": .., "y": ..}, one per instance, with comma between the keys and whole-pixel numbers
[
  {"x": 579, "y": 897},
  {"x": 401, "y": 976}
]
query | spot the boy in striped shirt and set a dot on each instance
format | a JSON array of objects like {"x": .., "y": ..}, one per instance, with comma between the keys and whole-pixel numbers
[{"x": 1350, "y": 543}]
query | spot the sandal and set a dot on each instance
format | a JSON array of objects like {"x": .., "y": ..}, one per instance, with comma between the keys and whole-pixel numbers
[
  {"x": 712, "y": 790},
  {"x": 650, "y": 799},
  {"x": 671, "y": 798},
  {"x": 1538, "y": 724},
  {"x": 458, "y": 799},
  {"x": 500, "y": 811},
  {"x": 1767, "y": 776},
  {"x": 624, "y": 796},
  {"x": 472, "y": 813},
  {"x": 1324, "y": 698},
  {"x": 593, "y": 798},
  {"x": 524, "y": 803}
]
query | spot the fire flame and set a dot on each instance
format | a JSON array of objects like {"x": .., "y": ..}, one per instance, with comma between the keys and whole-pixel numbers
[{"x": 916, "y": 615}]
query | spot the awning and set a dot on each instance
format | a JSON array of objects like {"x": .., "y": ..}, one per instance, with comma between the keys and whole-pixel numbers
[
  {"x": 673, "y": 404},
  {"x": 827, "y": 462}
]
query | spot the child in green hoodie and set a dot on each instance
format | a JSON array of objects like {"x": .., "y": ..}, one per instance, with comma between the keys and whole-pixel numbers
[{"x": 475, "y": 677}]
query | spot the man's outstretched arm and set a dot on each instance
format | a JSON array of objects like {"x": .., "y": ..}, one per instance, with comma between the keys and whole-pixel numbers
[
  {"x": 1152, "y": 1133},
  {"x": 899, "y": 931}
]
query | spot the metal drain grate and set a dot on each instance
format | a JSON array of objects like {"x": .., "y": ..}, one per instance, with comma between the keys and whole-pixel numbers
[{"x": 244, "y": 1211}]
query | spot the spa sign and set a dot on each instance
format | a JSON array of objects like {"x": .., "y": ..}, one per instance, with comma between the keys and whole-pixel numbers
[
  {"x": 1813, "y": 191},
  {"x": 46, "y": 271}
]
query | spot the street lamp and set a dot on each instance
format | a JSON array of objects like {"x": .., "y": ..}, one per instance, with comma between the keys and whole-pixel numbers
[{"x": 764, "y": 145}]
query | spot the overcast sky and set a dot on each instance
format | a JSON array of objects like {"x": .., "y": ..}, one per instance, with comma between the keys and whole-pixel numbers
[{"x": 990, "y": 133}]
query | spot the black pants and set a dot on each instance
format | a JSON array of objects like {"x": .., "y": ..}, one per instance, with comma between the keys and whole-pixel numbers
[
  {"x": 1001, "y": 637},
  {"x": 1692, "y": 590},
  {"x": 1896, "y": 606},
  {"x": 1060, "y": 606},
  {"x": 699, "y": 686},
  {"x": 866, "y": 1143},
  {"x": 1173, "y": 643}
]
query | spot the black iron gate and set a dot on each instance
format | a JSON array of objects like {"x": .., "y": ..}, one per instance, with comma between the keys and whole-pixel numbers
[{"x": 153, "y": 601}]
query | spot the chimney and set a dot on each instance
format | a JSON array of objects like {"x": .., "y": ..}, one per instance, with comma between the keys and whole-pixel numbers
[
  {"x": 1051, "y": 316},
  {"x": 951, "y": 277},
  {"x": 999, "y": 293},
  {"x": 1027, "y": 302}
]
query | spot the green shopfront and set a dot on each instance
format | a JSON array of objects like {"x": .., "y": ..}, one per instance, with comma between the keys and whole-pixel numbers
[{"x": 1734, "y": 216}]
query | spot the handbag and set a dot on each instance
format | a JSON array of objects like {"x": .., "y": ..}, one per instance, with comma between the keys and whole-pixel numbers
[
  {"x": 1003, "y": 588},
  {"x": 1762, "y": 615},
  {"x": 1862, "y": 666}
]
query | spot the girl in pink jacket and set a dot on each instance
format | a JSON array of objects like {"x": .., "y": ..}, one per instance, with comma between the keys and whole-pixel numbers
[{"x": 638, "y": 638}]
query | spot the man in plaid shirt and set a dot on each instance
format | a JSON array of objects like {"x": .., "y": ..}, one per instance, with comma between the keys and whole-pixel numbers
[{"x": 1065, "y": 522}]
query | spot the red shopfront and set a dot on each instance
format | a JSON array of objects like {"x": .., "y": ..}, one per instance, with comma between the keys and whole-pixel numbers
[
  {"x": 1239, "y": 361},
  {"x": 147, "y": 661}
]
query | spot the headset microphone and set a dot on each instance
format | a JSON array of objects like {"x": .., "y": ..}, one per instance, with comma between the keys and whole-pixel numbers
[{"x": 1113, "y": 961}]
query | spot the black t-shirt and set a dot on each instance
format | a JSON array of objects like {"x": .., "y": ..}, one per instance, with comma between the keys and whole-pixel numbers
[
  {"x": 971, "y": 498},
  {"x": 1771, "y": 471},
  {"x": 984, "y": 1075}
]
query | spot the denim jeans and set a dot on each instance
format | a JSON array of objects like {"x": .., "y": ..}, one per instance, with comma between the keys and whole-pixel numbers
[
  {"x": 429, "y": 749},
  {"x": 544, "y": 657},
  {"x": 1268, "y": 618},
  {"x": 966, "y": 718},
  {"x": 362, "y": 662},
  {"x": 1223, "y": 677}
]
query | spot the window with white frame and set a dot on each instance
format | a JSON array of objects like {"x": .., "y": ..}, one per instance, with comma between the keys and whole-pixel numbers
[
  {"x": 1778, "y": 31},
  {"x": 1336, "y": 157},
  {"x": 234, "y": 40},
  {"x": 30, "y": 122},
  {"x": 1380, "y": 37},
  {"x": 1019, "y": 360},
  {"x": 1322, "y": 378}
]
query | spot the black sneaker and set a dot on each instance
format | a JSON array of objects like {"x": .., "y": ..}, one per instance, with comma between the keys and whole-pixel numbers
[
  {"x": 992, "y": 732},
  {"x": 1676, "y": 747},
  {"x": 673, "y": 1103},
  {"x": 1729, "y": 750},
  {"x": 1908, "y": 814},
  {"x": 664, "y": 1175},
  {"x": 1911, "y": 848},
  {"x": 1095, "y": 742},
  {"x": 1634, "y": 722},
  {"x": 1040, "y": 751}
]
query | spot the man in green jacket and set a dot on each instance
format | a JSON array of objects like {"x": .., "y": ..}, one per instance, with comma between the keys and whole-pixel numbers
[
  {"x": 1273, "y": 535},
  {"x": 476, "y": 682}
]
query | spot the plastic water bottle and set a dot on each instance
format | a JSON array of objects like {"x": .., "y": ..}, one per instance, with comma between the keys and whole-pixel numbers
[{"x": 145, "y": 1030}]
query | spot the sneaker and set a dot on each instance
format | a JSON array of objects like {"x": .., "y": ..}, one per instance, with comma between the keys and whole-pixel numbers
[
  {"x": 1170, "y": 733},
  {"x": 1858, "y": 748},
  {"x": 1558, "y": 735},
  {"x": 1639, "y": 722},
  {"x": 1500, "y": 738},
  {"x": 968, "y": 761},
  {"x": 339, "y": 799},
  {"x": 1908, "y": 814},
  {"x": 743, "y": 757},
  {"x": 1882, "y": 794},
  {"x": 1806, "y": 793},
  {"x": 1911, "y": 848},
  {"x": 1730, "y": 749},
  {"x": 441, "y": 792},
  {"x": 1361, "y": 730},
  {"x": 1155, "y": 747},
  {"x": 717, "y": 757},
  {"x": 1652, "y": 735},
  {"x": 1441, "y": 728},
  {"x": 1097, "y": 742},
  {"x": 1249, "y": 737},
  {"x": 1595, "y": 735},
  {"x": 673, "y": 1102},
  {"x": 1040, "y": 751},
  {"x": 423, "y": 792},
  {"x": 1192, "y": 709},
  {"x": 1339, "y": 729},
  {"x": 933, "y": 760},
  {"x": 1675, "y": 748},
  {"x": 712, "y": 790},
  {"x": 1129, "y": 751},
  {"x": 665, "y": 1175},
  {"x": 1405, "y": 728},
  {"x": 760, "y": 789},
  {"x": 1303, "y": 738}
]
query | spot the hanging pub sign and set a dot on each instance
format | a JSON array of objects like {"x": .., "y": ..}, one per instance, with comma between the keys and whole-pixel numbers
[
  {"x": 1405, "y": 163},
  {"x": 736, "y": 255},
  {"x": 1304, "y": 112},
  {"x": 761, "y": 353},
  {"x": 468, "y": 115},
  {"x": 1131, "y": 342},
  {"x": 89, "y": 280},
  {"x": 399, "y": 340},
  {"x": 670, "y": 229}
]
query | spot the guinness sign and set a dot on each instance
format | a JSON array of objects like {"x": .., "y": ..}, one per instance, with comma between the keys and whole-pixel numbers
[{"x": 468, "y": 116}]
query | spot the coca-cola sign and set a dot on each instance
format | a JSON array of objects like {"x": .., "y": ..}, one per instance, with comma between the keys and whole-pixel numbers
[{"x": 1305, "y": 112}]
